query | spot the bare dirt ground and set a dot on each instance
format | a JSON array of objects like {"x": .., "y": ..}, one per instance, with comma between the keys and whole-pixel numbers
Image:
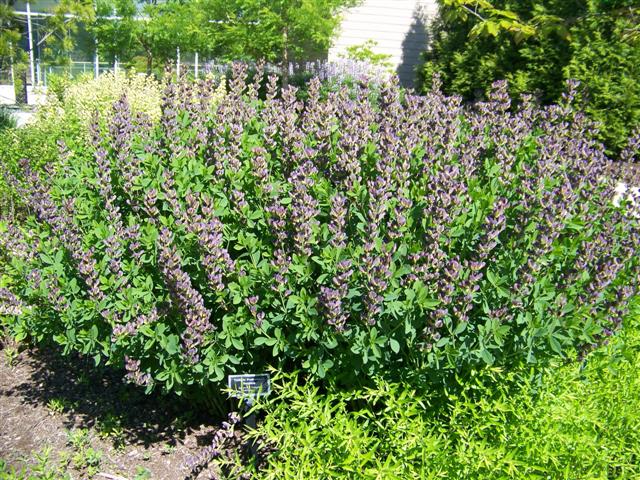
[{"x": 71, "y": 412}]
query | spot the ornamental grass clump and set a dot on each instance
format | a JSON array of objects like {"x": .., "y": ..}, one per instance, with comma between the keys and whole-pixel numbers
[{"x": 346, "y": 235}]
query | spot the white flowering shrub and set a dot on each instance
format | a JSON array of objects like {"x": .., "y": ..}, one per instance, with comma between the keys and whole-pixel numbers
[{"x": 80, "y": 100}]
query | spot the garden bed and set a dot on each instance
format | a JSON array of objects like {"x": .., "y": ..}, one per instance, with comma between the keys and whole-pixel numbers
[{"x": 48, "y": 402}]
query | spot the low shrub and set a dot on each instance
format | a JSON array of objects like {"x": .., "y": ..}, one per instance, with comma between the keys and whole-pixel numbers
[
  {"x": 28, "y": 141},
  {"x": 578, "y": 420},
  {"x": 66, "y": 116},
  {"x": 73, "y": 103},
  {"x": 7, "y": 119},
  {"x": 347, "y": 235}
]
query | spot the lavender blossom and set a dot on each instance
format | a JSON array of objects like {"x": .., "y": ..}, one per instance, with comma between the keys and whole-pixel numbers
[
  {"x": 9, "y": 303},
  {"x": 338, "y": 221},
  {"x": 134, "y": 374},
  {"x": 214, "y": 450},
  {"x": 190, "y": 301}
]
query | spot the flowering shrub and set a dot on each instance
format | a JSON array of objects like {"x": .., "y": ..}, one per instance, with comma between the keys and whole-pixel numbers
[
  {"x": 78, "y": 101},
  {"x": 347, "y": 235}
]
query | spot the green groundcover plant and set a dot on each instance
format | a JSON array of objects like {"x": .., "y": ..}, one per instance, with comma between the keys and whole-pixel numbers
[
  {"x": 569, "y": 421},
  {"x": 349, "y": 234}
]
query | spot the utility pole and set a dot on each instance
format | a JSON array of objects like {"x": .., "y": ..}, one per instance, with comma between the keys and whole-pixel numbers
[{"x": 30, "y": 36}]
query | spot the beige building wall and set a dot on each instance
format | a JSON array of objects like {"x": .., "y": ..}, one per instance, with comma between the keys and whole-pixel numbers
[{"x": 400, "y": 28}]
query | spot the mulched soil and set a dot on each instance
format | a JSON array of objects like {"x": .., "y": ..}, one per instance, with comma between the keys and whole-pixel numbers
[{"x": 151, "y": 432}]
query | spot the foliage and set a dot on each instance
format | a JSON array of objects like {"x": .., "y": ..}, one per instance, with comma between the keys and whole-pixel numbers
[
  {"x": 57, "y": 84},
  {"x": 9, "y": 37},
  {"x": 7, "y": 119},
  {"x": 609, "y": 69},
  {"x": 347, "y": 235},
  {"x": 65, "y": 117},
  {"x": 277, "y": 31},
  {"x": 159, "y": 29},
  {"x": 44, "y": 468},
  {"x": 365, "y": 52},
  {"x": 118, "y": 39},
  {"x": 58, "y": 32},
  {"x": 30, "y": 141},
  {"x": 588, "y": 40},
  {"x": 576, "y": 420},
  {"x": 494, "y": 20},
  {"x": 67, "y": 18},
  {"x": 20, "y": 83},
  {"x": 75, "y": 103},
  {"x": 285, "y": 30}
]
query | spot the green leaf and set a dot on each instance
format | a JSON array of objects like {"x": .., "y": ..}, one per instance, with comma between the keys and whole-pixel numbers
[
  {"x": 486, "y": 356},
  {"x": 237, "y": 343},
  {"x": 555, "y": 345},
  {"x": 394, "y": 344},
  {"x": 172, "y": 345},
  {"x": 265, "y": 341},
  {"x": 461, "y": 327}
]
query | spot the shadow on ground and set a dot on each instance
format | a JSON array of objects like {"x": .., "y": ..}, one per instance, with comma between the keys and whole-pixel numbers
[{"x": 98, "y": 394}]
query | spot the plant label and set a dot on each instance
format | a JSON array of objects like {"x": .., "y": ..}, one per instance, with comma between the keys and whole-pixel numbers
[{"x": 249, "y": 385}]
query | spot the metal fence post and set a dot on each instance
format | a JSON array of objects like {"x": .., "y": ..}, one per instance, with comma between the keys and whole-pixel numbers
[
  {"x": 178, "y": 62},
  {"x": 96, "y": 60}
]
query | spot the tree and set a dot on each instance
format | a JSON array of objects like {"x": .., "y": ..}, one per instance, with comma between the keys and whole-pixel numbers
[
  {"x": 61, "y": 28},
  {"x": 155, "y": 31},
  {"x": 10, "y": 35},
  {"x": 173, "y": 25},
  {"x": 283, "y": 30},
  {"x": 537, "y": 45},
  {"x": 117, "y": 38},
  {"x": 274, "y": 30},
  {"x": 12, "y": 57}
]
